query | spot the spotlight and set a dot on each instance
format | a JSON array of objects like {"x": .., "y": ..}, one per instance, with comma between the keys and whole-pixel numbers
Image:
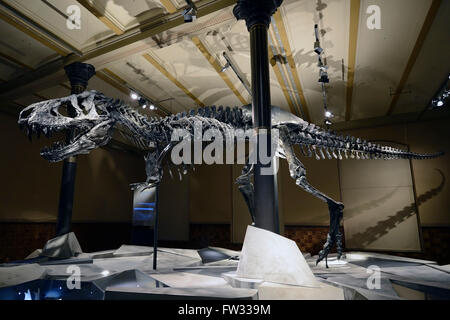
[
  {"x": 190, "y": 13},
  {"x": 328, "y": 122},
  {"x": 134, "y": 96},
  {"x": 440, "y": 103},
  {"x": 328, "y": 114},
  {"x": 225, "y": 67},
  {"x": 317, "y": 48},
  {"x": 144, "y": 106},
  {"x": 152, "y": 107},
  {"x": 324, "y": 76}
]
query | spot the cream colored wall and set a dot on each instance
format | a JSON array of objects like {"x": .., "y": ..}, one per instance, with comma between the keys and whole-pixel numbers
[
  {"x": 210, "y": 194},
  {"x": 424, "y": 137},
  {"x": 300, "y": 208},
  {"x": 434, "y": 209},
  {"x": 30, "y": 188}
]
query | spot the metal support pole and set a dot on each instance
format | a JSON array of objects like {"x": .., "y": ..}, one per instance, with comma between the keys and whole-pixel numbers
[
  {"x": 79, "y": 75},
  {"x": 257, "y": 15},
  {"x": 155, "y": 230}
]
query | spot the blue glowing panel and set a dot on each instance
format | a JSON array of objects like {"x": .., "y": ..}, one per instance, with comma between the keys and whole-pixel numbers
[{"x": 144, "y": 207}]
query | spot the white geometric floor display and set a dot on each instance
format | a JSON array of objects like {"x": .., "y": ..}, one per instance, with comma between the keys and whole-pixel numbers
[
  {"x": 127, "y": 273},
  {"x": 271, "y": 257}
]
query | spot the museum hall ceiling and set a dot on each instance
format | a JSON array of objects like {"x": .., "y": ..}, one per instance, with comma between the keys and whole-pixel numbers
[{"x": 145, "y": 46}]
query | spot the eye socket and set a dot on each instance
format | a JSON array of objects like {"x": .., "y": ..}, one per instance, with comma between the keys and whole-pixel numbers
[{"x": 63, "y": 110}]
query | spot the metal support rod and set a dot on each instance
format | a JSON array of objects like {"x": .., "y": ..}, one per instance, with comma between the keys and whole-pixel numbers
[
  {"x": 155, "y": 230},
  {"x": 257, "y": 15},
  {"x": 238, "y": 73},
  {"x": 79, "y": 75}
]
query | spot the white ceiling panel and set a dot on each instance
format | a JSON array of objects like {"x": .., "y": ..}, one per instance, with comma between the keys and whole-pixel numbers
[
  {"x": 333, "y": 20},
  {"x": 382, "y": 54},
  {"x": 127, "y": 14},
  {"x": 91, "y": 29},
  {"x": 185, "y": 61},
  {"x": 145, "y": 78}
]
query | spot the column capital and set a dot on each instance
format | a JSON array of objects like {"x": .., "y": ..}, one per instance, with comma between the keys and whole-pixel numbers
[
  {"x": 256, "y": 11},
  {"x": 79, "y": 74}
]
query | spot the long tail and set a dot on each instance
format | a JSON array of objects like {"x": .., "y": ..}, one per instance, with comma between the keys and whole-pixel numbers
[{"x": 316, "y": 141}]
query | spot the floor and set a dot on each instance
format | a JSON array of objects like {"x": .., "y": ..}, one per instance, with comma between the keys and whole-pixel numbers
[{"x": 212, "y": 273}]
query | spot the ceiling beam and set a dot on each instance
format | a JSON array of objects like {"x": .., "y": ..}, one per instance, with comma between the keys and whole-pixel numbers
[
  {"x": 120, "y": 84},
  {"x": 174, "y": 80},
  {"x": 15, "y": 61},
  {"x": 216, "y": 65},
  {"x": 355, "y": 6},
  {"x": 155, "y": 26},
  {"x": 32, "y": 89},
  {"x": 168, "y": 5},
  {"x": 102, "y": 17},
  {"x": 432, "y": 12},
  {"x": 279, "y": 23}
]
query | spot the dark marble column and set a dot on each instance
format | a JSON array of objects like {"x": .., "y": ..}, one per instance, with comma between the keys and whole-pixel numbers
[
  {"x": 257, "y": 15},
  {"x": 79, "y": 75}
]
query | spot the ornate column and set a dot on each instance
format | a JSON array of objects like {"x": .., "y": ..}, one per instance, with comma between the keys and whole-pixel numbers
[
  {"x": 257, "y": 15},
  {"x": 79, "y": 75}
]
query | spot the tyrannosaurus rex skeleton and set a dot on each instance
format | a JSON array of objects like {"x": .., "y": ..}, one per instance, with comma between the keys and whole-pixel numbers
[{"x": 97, "y": 116}]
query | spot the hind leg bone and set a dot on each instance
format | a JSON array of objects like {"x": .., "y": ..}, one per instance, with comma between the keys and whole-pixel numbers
[{"x": 298, "y": 173}]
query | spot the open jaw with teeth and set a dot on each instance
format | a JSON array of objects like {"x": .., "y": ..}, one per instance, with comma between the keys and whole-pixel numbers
[
  {"x": 88, "y": 128},
  {"x": 64, "y": 148},
  {"x": 76, "y": 141}
]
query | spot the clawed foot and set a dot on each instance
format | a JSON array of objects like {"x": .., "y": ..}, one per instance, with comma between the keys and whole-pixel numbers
[
  {"x": 335, "y": 236},
  {"x": 323, "y": 254}
]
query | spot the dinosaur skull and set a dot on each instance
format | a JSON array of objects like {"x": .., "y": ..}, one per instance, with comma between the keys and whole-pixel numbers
[{"x": 84, "y": 117}]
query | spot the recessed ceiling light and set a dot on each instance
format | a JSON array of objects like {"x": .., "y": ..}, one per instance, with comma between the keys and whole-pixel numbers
[
  {"x": 134, "y": 96},
  {"x": 328, "y": 114}
]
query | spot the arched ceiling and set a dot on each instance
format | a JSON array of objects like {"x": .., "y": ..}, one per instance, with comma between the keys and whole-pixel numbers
[{"x": 144, "y": 45}]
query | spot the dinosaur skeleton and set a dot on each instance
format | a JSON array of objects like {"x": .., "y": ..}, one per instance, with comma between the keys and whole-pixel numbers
[{"x": 96, "y": 116}]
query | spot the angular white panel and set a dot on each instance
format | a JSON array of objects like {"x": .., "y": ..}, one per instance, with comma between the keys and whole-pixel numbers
[
  {"x": 65, "y": 246},
  {"x": 269, "y": 256}
]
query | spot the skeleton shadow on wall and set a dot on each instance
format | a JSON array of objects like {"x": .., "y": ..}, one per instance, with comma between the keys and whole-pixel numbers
[{"x": 371, "y": 234}]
